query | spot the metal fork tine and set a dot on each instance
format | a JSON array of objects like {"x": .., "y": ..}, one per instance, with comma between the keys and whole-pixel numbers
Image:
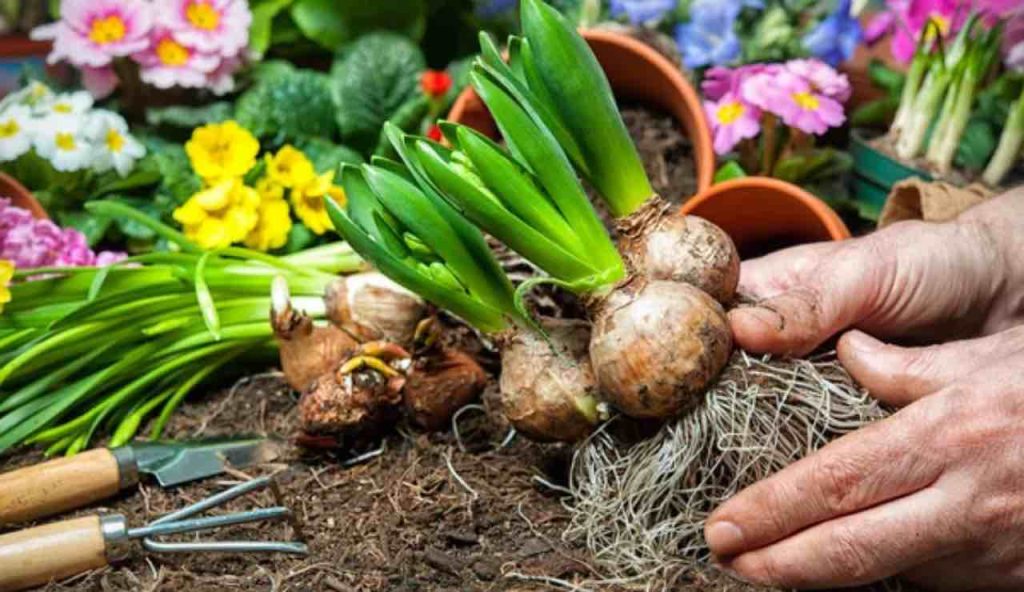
[
  {"x": 226, "y": 547},
  {"x": 208, "y": 522},
  {"x": 214, "y": 500}
]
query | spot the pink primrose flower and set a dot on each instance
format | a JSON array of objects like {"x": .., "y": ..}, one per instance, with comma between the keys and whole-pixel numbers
[{"x": 94, "y": 32}]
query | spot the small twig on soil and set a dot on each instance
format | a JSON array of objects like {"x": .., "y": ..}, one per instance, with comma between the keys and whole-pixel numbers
[
  {"x": 537, "y": 533},
  {"x": 237, "y": 474},
  {"x": 557, "y": 582},
  {"x": 355, "y": 460},
  {"x": 552, "y": 486},
  {"x": 455, "y": 474}
]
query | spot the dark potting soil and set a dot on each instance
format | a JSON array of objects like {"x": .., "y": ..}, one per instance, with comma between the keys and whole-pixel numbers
[
  {"x": 665, "y": 151},
  {"x": 423, "y": 515}
]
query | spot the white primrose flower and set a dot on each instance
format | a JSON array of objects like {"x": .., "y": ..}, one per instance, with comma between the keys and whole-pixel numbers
[
  {"x": 63, "y": 142},
  {"x": 114, "y": 148},
  {"x": 34, "y": 94},
  {"x": 16, "y": 127},
  {"x": 76, "y": 104}
]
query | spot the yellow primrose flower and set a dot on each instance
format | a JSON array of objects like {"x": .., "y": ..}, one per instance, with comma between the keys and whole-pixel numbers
[
  {"x": 221, "y": 150},
  {"x": 290, "y": 167},
  {"x": 275, "y": 220},
  {"x": 220, "y": 215},
  {"x": 309, "y": 204},
  {"x": 6, "y": 274}
]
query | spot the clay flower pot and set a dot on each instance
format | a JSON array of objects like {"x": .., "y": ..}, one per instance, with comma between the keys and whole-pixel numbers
[
  {"x": 875, "y": 173},
  {"x": 762, "y": 214},
  {"x": 20, "y": 197},
  {"x": 636, "y": 73}
]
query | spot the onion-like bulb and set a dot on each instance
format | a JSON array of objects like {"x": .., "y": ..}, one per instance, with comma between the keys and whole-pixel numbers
[
  {"x": 548, "y": 390},
  {"x": 662, "y": 245},
  {"x": 439, "y": 384},
  {"x": 350, "y": 404},
  {"x": 657, "y": 346},
  {"x": 307, "y": 351},
  {"x": 372, "y": 307}
]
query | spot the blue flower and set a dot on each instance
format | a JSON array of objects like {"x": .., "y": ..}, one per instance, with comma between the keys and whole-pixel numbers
[
  {"x": 493, "y": 8},
  {"x": 642, "y": 11},
  {"x": 835, "y": 39},
  {"x": 709, "y": 39}
]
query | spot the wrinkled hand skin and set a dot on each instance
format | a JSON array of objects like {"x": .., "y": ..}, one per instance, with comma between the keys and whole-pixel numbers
[{"x": 935, "y": 493}]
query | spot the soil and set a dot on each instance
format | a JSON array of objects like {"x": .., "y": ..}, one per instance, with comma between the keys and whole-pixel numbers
[
  {"x": 421, "y": 515},
  {"x": 665, "y": 151}
]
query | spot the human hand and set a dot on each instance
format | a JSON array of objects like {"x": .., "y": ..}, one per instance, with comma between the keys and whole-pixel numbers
[
  {"x": 933, "y": 493},
  {"x": 932, "y": 281}
]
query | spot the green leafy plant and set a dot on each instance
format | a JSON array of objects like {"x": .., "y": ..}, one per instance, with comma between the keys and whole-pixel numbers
[
  {"x": 89, "y": 349},
  {"x": 286, "y": 104}
]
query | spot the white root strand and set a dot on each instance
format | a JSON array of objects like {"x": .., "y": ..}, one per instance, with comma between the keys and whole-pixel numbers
[{"x": 640, "y": 507}]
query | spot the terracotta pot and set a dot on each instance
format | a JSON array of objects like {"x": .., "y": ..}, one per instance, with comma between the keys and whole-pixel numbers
[
  {"x": 20, "y": 197},
  {"x": 762, "y": 214},
  {"x": 636, "y": 73}
]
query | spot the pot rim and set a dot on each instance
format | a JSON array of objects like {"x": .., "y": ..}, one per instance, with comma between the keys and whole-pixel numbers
[
  {"x": 700, "y": 138},
  {"x": 828, "y": 218}
]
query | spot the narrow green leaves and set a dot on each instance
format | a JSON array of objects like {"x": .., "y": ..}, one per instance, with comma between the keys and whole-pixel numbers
[{"x": 560, "y": 62}]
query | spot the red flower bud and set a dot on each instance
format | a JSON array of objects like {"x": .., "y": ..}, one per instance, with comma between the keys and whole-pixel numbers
[
  {"x": 434, "y": 133},
  {"x": 435, "y": 83}
]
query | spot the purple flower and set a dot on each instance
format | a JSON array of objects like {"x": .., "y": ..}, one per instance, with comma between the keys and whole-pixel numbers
[
  {"x": 642, "y": 11},
  {"x": 719, "y": 81},
  {"x": 709, "y": 39},
  {"x": 823, "y": 78},
  {"x": 794, "y": 100},
  {"x": 835, "y": 38},
  {"x": 32, "y": 243},
  {"x": 732, "y": 120}
]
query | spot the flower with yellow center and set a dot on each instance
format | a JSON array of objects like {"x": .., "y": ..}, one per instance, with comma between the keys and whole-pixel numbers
[
  {"x": 275, "y": 221},
  {"x": 290, "y": 168},
  {"x": 729, "y": 112},
  {"x": 222, "y": 150},
  {"x": 15, "y": 138},
  {"x": 107, "y": 30},
  {"x": 6, "y": 275},
  {"x": 806, "y": 101},
  {"x": 172, "y": 53},
  {"x": 202, "y": 15},
  {"x": 220, "y": 215},
  {"x": 309, "y": 204}
]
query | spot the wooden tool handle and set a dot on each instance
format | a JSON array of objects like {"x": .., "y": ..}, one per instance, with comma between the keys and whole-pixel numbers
[
  {"x": 58, "y": 485},
  {"x": 50, "y": 552}
]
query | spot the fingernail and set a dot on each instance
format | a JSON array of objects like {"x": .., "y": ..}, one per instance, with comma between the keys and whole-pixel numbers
[
  {"x": 861, "y": 341},
  {"x": 764, "y": 315},
  {"x": 724, "y": 538}
]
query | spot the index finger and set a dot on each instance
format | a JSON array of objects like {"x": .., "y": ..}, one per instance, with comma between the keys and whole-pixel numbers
[{"x": 880, "y": 462}]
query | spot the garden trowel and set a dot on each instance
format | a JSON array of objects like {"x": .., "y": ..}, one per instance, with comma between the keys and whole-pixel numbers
[{"x": 68, "y": 483}]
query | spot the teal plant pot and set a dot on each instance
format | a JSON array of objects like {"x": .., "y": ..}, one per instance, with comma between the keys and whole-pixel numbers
[{"x": 874, "y": 174}]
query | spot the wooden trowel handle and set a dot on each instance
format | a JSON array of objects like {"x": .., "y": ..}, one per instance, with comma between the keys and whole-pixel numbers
[
  {"x": 37, "y": 555},
  {"x": 58, "y": 485}
]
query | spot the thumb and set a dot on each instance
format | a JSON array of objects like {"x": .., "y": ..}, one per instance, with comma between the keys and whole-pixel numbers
[{"x": 901, "y": 375}]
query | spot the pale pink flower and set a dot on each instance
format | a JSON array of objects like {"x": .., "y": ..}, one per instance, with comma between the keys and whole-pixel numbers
[
  {"x": 732, "y": 120},
  {"x": 222, "y": 80},
  {"x": 794, "y": 101},
  {"x": 210, "y": 26},
  {"x": 167, "y": 62},
  {"x": 93, "y": 32},
  {"x": 823, "y": 78}
]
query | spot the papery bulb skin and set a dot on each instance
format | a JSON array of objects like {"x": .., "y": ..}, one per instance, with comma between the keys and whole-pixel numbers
[
  {"x": 548, "y": 390},
  {"x": 372, "y": 307},
  {"x": 439, "y": 384},
  {"x": 656, "y": 346},
  {"x": 307, "y": 351},
  {"x": 662, "y": 245}
]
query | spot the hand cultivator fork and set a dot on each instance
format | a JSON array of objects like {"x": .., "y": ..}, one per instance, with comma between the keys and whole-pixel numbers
[{"x": 37, "y": 555}]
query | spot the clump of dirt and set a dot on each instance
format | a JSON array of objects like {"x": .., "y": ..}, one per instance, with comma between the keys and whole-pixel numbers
[{"x": 422, "y": 514}]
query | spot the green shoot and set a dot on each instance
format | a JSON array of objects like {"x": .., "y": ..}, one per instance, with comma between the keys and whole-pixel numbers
[{"x": 1009, "y": 148}]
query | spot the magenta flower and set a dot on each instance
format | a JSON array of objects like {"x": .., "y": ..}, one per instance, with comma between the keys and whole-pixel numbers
[
  {"x": 167, "y": 62},
  {"x": 93, "y": 32},
  {"x": 211, "y": 26},
  {"x": 911, "y": 22},
  {"x": 794, "y": 100},
  {"x": 824, "y": 79},
  {"x": 32, "y": 243},
  {"x": 1013, "y": 41},
  {"x": 732, "y": 120},
  {"x": 719, "y": 81}
]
